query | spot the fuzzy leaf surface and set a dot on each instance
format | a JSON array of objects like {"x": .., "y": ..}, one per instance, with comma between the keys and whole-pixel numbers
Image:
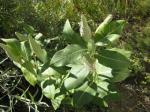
[{"x": 68, "y": 55}]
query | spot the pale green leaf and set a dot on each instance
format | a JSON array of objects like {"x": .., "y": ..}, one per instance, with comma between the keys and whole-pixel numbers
[
  {"x": 71, "y": 36},
  {"x": 30, "y": 77},
  {"x": 49, "y": 72},
  {"x": 21, "y": 37},
  {"x": 103, "y": 70},
  {"x": 80, "y": 70},
  {"x": 29, "y": 73},
  {"x": 71, "y": 82},
  {"x": 49, "y": 91},
  {"x": 14, "y": 43},
  {"x": 9, "y": 51},
  {"x": 17, "y": 51},
  {"x": 36, "y": 48},
  {"x": 100, "y": 31},
  {"x": 117, "y": 26},
  {"x": 84, "y": 94},
  {"x": 117, "y": 61},
  {"x": 85, "y": 30},
  {"x": 122, "y": 51},
  {"x": 110, "y": 38},
  {"x": 109, "y": 30},
  {"x": 120, "y": 75},
  {"x": 57, "y": 101},
  {"x": 68, "y": 55},
  {"x": 12, "y": 49},
  {"x": 102, "y": 88},
  {"x": 26, "y": 51}
]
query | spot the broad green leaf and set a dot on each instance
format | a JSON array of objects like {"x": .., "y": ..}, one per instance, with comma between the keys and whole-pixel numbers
[
  {"x": 57, "y": 101},
  {"x": 29, "y": 66},
  {"x": 26, "y": 51},
  {"x": 85, "y": 30},
  {"x": 109, "y": 30},
  {"x": 117, "y": 26},
  {"x": 49, "y": 91},
  {"x": 49, "y": 72},
  {"x": 16, "y": 50},
  {"x": 71, "y": 36},
  {"x": 14, "y": 43},
  {"x": 29, "y": 73},
  {"x": 68, "y": 55},
  {"x": 84, "y": 94},
  {"x": 86, "y": 33},
  {"x": 12, "y": 49},
  {"x": 72, "y": 82},
  {"x": 10, "y": 53},
  {"x": 102, "y": 88},
  {"x": 115, "y": 60},
  {"x": 80, "y": 72},
  {"x": 30, "y": 77},
  {"x": 124, "y": 52},
  {"x": 100, "y": 31},
  {"x": 11, "y": 41},
  {"x": 36, "y": 48},
  {"x": 103, "y": 70},
  {"x": 21, "y": 37},
  {"x": 120, "y": 75}
]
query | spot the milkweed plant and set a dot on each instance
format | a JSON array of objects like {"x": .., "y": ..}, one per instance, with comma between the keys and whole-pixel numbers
[{"x": 79, "y": 74}]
